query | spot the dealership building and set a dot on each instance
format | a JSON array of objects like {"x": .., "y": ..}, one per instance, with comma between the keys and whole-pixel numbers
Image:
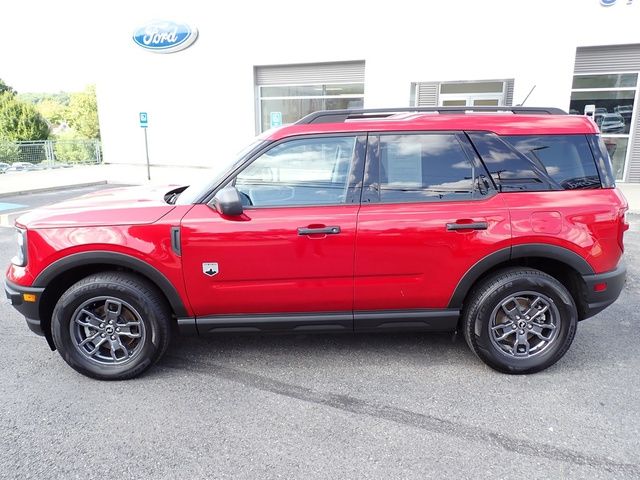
[{"x": 239, "y": 71}]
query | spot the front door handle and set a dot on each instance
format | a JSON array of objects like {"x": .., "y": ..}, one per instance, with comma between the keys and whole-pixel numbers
[
  {"x": 319, "y": 230},
  {"x": 467, "y": 226}
]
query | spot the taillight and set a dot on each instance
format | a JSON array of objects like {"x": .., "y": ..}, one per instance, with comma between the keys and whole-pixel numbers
[{"x": 623, "y": 226}]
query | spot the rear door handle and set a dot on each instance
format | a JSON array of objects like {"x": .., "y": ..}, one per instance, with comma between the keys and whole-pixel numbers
[
  {"x": 467, "y": 226},
  {"x": 320, "y": 230}
]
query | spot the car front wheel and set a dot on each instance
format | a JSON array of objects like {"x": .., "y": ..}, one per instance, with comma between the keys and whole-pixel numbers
[
  {"x": 520, "y": 320},
  {"x": 111, "y": 326}
]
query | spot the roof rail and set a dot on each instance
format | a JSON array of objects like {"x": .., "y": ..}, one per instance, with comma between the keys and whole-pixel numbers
[{"x": 338, "y": 116}]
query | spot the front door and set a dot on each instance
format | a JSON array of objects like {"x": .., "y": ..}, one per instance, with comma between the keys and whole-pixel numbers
[
  {"x": 429, "y": 213},
  {"x": 291, "y": 252}
]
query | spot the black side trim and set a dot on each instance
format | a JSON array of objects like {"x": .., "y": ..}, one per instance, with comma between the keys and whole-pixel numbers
[
  {"x": 175, "y": 241},
  {"x": 413, "y": 320},
  {"x": 474, "y": 273},
  {"x": 187, "y": 326},
  {"x": 510, "y": 253},
  {"x": 554, "y": 252},
  {"x": 286, "y": 322},
  {"x": 117, "y": 259},
  {"x": 30, "y": 310},
  {"x": 595, "y": 302}
]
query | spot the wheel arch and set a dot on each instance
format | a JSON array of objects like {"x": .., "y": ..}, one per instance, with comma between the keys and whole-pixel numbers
[
  {"x": 561, "y": 263},
  {"x": 63, "y": 273}
]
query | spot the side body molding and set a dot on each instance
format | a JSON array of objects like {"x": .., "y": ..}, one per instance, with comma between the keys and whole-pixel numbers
[{"x": 119, "y": 259}]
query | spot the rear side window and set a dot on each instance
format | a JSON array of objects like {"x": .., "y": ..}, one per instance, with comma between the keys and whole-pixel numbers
[
  {"x": 567, "y": 159},
  {"x": 510, "y": 169},
  {"x": 419, "y": 168}
]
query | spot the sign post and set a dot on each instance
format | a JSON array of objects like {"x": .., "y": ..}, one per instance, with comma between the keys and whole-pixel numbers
[{"x": 144, "y": 123}]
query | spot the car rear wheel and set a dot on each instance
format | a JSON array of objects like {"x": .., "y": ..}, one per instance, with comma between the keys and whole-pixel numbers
[
  {"x": 111, "y": 326},
  {"x": 520, "y": 320}
]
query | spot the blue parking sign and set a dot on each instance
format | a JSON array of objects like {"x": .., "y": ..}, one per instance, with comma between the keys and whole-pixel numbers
[{"x": 144, "y": 120}]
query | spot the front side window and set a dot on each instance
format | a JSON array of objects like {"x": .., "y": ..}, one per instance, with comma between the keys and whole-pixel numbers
[
  {"x": 419, "y": 168},
  {"x": 312, "y": 171},
  {"x": 565, "y": 158}
]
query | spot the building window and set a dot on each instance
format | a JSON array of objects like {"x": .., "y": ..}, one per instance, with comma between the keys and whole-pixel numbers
[
  {"x": 283, "y": 104},
  {"x": 481, "y": 93},
  {"x": 286, "y": 93},
  {"x": 614, "y": 96}
]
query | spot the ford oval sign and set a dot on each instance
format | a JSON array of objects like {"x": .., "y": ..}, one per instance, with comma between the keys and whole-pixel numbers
[{"x": 165, "y": 36}]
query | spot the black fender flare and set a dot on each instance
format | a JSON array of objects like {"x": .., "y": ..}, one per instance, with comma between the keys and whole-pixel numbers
[
  {"x": 539, "y": 250},
  {"x": 83, "y": 259}
]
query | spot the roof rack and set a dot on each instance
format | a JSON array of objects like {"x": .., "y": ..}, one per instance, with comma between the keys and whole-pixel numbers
[{"x": 338, "y": 116}]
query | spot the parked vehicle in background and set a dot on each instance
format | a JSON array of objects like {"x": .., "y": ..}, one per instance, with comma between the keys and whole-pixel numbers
[
  {"x": 610, "y": 122},
  {"x": 4, "y": 167},
  {"x": 503, "y": 224},
  {"x": 22, "y": 167},
  {"x": 626, "y": 111}
]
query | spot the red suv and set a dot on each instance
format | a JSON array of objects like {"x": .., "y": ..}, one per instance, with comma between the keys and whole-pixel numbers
[{"x": 504, "y": 224}]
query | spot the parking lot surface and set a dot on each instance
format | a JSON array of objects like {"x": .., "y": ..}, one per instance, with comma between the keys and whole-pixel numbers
[{"x": 326, "y": 406}]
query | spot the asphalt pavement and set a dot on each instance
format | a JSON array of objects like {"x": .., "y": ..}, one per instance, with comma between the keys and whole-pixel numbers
[{"x": 326, "y": 406}]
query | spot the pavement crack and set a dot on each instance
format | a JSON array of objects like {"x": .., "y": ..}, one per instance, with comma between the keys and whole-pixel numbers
[{"x": 402, "y": 416}]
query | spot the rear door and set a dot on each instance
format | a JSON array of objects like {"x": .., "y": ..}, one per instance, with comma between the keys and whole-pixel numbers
[
  {"x": 291, "y": 252},
  {"x": 429, "y": 213}
]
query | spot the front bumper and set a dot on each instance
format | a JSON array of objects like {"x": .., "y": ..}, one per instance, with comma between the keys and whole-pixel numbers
[
  {"x": 596, "y": 301},
  {"x": 30, "y": 309}
]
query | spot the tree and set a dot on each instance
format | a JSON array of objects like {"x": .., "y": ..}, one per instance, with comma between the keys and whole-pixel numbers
[
  {"x": 20, "y": 121},
  {"x": 6, "y": 88},
  {"x": 82, "y": 113},
  {"x": 55, "y": 112}
]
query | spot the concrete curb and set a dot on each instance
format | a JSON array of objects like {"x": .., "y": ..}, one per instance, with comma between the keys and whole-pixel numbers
[{"x": 53, "y": 189}]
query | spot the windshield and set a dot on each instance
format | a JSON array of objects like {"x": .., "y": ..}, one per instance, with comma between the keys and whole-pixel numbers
[{"x": 213, "y": 176}]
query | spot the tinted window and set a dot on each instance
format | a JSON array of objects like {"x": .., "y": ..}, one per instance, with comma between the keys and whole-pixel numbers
[
  {"x": 418, "y": 168},
  {"x": 511, "y": 170},
  {"x": 565, "y": 158},
  {"x": 312, "y": 171}
]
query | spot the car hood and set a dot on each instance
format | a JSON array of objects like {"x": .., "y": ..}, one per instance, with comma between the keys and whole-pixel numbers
[{"x": 116, "y": 206}]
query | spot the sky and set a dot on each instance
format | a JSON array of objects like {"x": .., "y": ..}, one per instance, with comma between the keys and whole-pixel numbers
[{"x": 49, "y": 46}]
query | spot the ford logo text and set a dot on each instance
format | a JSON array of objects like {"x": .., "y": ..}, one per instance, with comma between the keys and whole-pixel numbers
[{"x": 165, "y": 36}]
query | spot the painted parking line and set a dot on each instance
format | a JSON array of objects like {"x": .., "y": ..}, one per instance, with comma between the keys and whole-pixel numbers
[{"x": 10, "y": 206}]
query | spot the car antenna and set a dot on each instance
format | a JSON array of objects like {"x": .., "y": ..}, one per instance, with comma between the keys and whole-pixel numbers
[{"x": 525, "y": 98}]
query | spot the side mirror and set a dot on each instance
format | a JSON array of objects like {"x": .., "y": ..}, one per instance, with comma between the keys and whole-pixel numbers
[{"x": 228, "y": 202}]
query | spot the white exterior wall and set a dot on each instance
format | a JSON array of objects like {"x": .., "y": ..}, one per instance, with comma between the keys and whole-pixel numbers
[{"x": 201, "y": 101}]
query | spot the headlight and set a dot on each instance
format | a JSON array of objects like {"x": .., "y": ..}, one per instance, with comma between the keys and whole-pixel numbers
[{"x": 20, "y": 259}]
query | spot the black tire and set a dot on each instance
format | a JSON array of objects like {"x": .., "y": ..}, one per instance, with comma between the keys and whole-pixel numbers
[
  {"x": 488, "y": 316},
  {"x": 142, "y": 321}
]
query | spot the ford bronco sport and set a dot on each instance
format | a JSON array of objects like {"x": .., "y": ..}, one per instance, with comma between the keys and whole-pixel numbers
[{"x": 502, "y": 223}]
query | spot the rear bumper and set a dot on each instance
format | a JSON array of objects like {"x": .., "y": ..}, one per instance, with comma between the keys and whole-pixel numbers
[
  {"x": 595, "y": 301},
  {"x": 31, "y": 310}
]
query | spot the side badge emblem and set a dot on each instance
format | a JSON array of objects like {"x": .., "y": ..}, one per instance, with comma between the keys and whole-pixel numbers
[{"x": 210, "y": 269}]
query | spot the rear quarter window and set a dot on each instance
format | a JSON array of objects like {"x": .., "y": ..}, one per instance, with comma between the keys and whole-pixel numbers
[{"x": 567, "y": 159}]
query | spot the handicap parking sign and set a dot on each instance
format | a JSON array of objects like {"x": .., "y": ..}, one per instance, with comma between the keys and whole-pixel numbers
[{"x": 275, "y": 119}]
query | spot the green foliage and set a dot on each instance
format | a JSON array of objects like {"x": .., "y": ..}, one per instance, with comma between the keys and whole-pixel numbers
[
  {"x": 20, "y": 121},
  {"x": 61, "y": 97},
  {"x": 83, "y": 113},
  {"x": 9, "y": 151},
  {"x": 6, "y": 88},
  {"x": 53, "y": 111},
  {"x": 69, "y": 148}
]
